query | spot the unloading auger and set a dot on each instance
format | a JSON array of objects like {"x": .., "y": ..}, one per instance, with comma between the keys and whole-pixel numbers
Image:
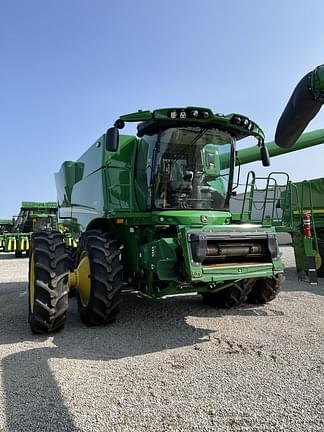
[{"x": 303, "y": 105}]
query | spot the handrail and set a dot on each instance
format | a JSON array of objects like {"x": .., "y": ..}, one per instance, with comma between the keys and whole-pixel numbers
[
  {"x": 272, "y": 185},
  {"x": 252, "y": 186}
]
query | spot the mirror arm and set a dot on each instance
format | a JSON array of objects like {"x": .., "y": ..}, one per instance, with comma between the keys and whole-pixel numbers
[{"x": 265, "y": 158}]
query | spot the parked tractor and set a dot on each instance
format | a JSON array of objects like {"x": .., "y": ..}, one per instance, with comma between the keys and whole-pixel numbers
[
  {"x": 32, "y": 217},
  {"x": 152, "y": 215},
  {"x": 5, "y": 227}
]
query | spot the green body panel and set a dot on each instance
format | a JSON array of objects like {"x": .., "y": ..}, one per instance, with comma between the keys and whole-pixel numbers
[
  {"x": 305, "y": 197},
  {"x": 119, "y": 181},
  {"x": 39, "y": 206},
  {"x": 5, "y": 221},
  {"x": 110, "y": 191},
  {"x": 143, "y": 250},
  {"x": 70, "y": 173},
  {"x": 238, "y": 125}
]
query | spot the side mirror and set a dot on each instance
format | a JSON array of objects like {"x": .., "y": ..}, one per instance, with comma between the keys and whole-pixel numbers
[
  {"x": 265, "y": 158},
  {"x": 112, "y": 139}
]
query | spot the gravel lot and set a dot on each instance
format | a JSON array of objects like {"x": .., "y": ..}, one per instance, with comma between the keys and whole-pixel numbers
[{"x": 167, "y": 365}]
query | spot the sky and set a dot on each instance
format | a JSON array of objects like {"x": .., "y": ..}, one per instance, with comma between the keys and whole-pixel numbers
[{"x": 69, "y": 69}]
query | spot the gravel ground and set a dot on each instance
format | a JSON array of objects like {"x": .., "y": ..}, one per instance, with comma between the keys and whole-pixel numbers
[{"x": 167, "y": 365}]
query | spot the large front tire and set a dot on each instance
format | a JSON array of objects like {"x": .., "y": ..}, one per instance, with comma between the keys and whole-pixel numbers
[
  {"x": 99, "y": 302},
  {"x": 47, "y": 285}
]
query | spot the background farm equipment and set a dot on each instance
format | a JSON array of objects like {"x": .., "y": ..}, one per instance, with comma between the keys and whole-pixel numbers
[
  {"x": 296, "y": 208},
  {"x": 32, "y": 217},
  {"x": 5, "y": 227}
]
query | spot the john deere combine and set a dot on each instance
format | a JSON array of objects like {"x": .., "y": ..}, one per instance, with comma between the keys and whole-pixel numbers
[
  {"x": 33, "y": 217},
  {"x": 152, "y": 213}
]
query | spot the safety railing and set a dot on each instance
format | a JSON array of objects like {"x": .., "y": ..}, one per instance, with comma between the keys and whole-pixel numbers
[{"x": 263, "y": 195}]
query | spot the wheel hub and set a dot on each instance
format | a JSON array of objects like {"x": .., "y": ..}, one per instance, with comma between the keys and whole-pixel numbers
[
  {"x": 318, "y": 259},
  {"x": 80, "y": 279}
]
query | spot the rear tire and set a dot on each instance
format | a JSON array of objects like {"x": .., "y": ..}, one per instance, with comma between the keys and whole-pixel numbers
[
  {"x": 71, "y": 257},
  {"x": 265, "y": 290},
  {"x": 47, "y": 287},
  {"x": 233, "y": 296},
  {"x": 320, "y": 271},
  {"x": 106, "y": 278}
]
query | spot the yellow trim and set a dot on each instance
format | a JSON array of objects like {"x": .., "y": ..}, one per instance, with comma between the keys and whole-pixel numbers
[
  {"x": 318, "y": 259},
  {"x": 31, "y": 283},
  {"x": 12, "y": 245},
  {"x": 24, "y": 244},
  {"x": 80, "y": 279}
]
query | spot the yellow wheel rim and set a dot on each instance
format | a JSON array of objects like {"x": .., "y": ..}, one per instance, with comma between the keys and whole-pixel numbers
[
  {"x": 31, "y": 285},
  {"x": 318, "y": 259},
  {"x": 80, "y": 279}
]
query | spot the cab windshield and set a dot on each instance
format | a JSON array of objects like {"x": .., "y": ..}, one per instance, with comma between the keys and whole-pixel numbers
[{"x": 190, "y": 168}]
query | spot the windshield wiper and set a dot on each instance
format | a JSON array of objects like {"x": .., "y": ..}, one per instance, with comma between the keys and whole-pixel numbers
[{"x": 197, "y": 137}]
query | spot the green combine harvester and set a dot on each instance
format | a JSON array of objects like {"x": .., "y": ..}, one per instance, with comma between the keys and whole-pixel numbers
[
  {"x": 33, "y": 217},
  {"x": 152, "y": 215}
]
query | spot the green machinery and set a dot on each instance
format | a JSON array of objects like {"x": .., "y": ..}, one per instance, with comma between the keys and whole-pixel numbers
[
  {"x": 152, "y": 214},
  {"x": 32, "y": 217},
  {"x": 5, "y": 227},
  {"x": 306, "y": 198},
  {"x": 296, "y": 208}
]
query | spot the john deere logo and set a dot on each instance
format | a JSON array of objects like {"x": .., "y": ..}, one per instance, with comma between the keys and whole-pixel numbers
[{"x": 204, "y": 219}]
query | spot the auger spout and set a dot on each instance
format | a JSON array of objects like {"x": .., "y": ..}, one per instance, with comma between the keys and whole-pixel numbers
[
  {"x": 306, "y": 140},
  {"x": 303, "y": 105}
]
